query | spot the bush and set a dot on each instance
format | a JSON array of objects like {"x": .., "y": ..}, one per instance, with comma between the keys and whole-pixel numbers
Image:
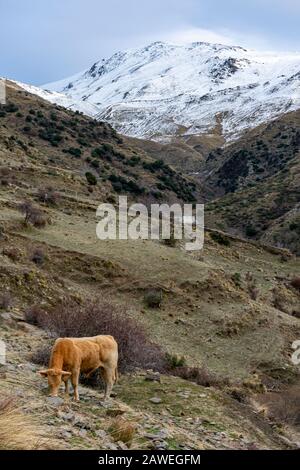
[
  {"x": 69, "y": 319},
  {"x": 91, "y": 179},
  {"x": 48, "y": 196},
  {"x": 11, "y": 108},
  {"x": 12, "y": 252},
  {"x": 296, "y": 283},
  {"x": 278, "y": 300},
  {"x": 172, "y": 241},
  {"x": 253, "y": 290},
  {"x": 285, "y": 407},
  {"x": 220, "y": 238},
  {"x": 153, "y": 298},
  {"x": 5, "y": 300},
  {"x": 251, "y": 232},
  {"x": 175, "y": 361},
  {"x": 201, "y": 376},
  {"x": 76, "y": 152},
  {"x": 33, "y": 214},
  {"x": 38, "y": 256},
  {"x": 237, "y": 279},
  {"x": 33, "y": 314}
]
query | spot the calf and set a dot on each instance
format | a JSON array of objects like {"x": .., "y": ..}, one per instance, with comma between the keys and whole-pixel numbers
[{"x": 70, "y": 356}]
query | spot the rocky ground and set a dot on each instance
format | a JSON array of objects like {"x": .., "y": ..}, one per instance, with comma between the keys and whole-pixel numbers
[{"x": 147, "y": 411}]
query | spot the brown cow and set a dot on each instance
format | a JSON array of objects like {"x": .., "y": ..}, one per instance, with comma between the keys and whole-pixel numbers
[{"x": 70, "y": 356}]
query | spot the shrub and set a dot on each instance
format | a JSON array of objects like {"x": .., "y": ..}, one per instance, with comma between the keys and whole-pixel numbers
[
  {"x": 38, "y": 220},
  {"x": 12, "y": 252},
  {"x": 11, "y": 108},
  {"x": 251, "y": 231},
  {"x": 278, "y": 300},
  {"x": 41, "y": 355},
  {"x": 253, "y": 290},
  {"x": 95, "y": 164},
  {"x": 33, "y": 214},
  {"x": 220, "y": 238},
  {"x": 175, "y": 361},
  {"x": 76, "y": 152},
  {"x": 38, "y": 256},
  {"x": 296, "y": 283},
  {"x": 5, "y": 300},
  {"x": 237, "y": 279},
  {"x": 285, "y": 407},
  {"x": 201, "y": 376},
  {"x": 153, "y": 298},
  {"x": 48, "y": 196},
  {"x": 69, "y": 319},
  {"x": 33, "y": 314},
  {"x": 91, "y": 179},
  {"x": 171, "y": 241}
]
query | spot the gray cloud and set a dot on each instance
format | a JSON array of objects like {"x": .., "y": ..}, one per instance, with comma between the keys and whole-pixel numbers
[{"x": 45, "y": 40}]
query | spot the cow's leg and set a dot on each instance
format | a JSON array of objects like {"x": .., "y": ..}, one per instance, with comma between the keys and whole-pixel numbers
[
  {"x": 66, "y": 381},
  {"x": 116, "y": 374},
  {"x": 108, "y": 376},
  {"x": 75, "y": 380}
]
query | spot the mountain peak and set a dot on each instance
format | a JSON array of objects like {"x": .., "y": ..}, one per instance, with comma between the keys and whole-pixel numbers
[{"x": 163, "y": 90}]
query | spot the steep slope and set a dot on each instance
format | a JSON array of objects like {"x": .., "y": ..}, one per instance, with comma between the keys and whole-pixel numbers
[
  {"x": 164, "y": 90},
  {"x": 40, "y": 133},
  {"x": 211, "y": 313},
  {"x": 256, "y": 184}
]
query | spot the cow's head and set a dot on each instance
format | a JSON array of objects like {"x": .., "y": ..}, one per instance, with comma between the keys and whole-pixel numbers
[{"x": 55, "y": 377}]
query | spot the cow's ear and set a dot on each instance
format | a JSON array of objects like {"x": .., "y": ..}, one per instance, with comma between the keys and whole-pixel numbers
[
  {"x": 66, "y": 374},
  {"x": 43, "y": 373}
]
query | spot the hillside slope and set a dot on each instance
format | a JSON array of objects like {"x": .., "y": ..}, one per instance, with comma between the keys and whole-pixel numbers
[
  {"x": 255, "y": 184},
  {"x": 42, "y": 133},
  {"x": 230, "y": 308}
]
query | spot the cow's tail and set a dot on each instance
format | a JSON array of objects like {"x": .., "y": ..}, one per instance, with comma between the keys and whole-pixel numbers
[{"x": 116, "y": 375}]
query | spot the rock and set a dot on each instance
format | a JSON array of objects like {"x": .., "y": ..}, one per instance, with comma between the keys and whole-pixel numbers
[
  {"x": 111, "y": 446},
  {"x": 28, "y": 366},
  {"x": 122, "y": 445},
  {"x": 66, "y": 416},
  {"x": 114, "y": 412},
  {"x": 55, "y": 401},
  {"x": 152, "y": 376},
  {"x": 65, "y": 434},
  {"x": 82, "y": 433},
  {"x": 27, "y": 328},
  {"x": 82, "y": 423},
  {"x": 106, "y": 404},
  {"x": 161, "y": 445},
  {"x": 155, "y": 400},
  {"x": 6, "y": 316},
  {"x": 101, "y": 433},
  {"x": 161, "y": 435}
]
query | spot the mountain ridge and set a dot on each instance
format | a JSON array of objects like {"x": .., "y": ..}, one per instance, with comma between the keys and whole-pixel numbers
[{"x": 164, "y": 90}]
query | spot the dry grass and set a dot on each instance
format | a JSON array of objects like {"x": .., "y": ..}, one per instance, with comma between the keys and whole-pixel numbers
[
  {"x": 122, "y": 430},
  {"x": 16, "y": 430}
]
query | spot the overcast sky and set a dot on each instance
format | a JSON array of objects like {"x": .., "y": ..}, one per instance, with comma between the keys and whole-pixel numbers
[{"x": 45, "y": 40}]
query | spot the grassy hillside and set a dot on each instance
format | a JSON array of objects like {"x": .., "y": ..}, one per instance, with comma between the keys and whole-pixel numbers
[
  {"x": 230, "y": 308},
  {"x": 256, "y": 184}
]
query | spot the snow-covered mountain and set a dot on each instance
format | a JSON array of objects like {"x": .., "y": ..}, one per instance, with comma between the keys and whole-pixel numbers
[{"x": 164, "y": 90}]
